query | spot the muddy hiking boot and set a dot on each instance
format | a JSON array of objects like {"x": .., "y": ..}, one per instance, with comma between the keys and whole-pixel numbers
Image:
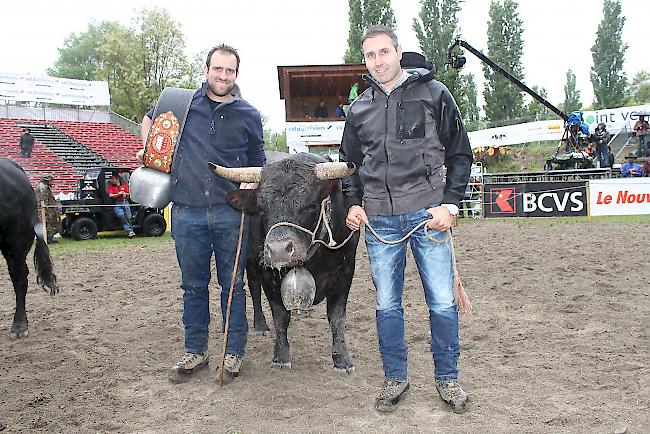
[
  {"x": 391, "y": 395},
  {"x": 453, "y": 394},
  {"x": 231, "y": 365},
  {"x": 186, "y": 366}
]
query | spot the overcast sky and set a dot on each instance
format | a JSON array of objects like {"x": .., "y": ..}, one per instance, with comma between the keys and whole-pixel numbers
[{"x": 558, "y": 35}]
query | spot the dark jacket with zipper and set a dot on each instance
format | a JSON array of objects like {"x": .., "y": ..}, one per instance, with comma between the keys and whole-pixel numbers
[
  {"x": 400, "y": 142},
  {"x": 229, "y": 134}
]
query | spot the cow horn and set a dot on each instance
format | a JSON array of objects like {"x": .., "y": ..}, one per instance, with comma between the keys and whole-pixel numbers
[
  {"x": 237, "y": 174},
  {"x": 334, "y": 170}
]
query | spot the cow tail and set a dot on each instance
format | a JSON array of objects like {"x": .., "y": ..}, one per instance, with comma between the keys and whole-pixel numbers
[{"x": 44, "y": 269}]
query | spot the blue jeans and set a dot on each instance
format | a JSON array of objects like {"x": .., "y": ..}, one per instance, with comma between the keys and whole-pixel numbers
[
  {"x": 198, "y": 234},
  {"x": 123, "y": 212},
  {"x": 434, "y": 262},
  {"x": 643, "y": 148}
]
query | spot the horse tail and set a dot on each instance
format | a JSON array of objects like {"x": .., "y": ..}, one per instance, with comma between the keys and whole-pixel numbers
[{"x": 43, "y": 263}]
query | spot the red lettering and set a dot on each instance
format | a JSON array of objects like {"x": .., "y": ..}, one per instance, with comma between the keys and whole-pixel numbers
[
  {"x": 621, "y": 197},
  {"x": 600, "y": 200}
]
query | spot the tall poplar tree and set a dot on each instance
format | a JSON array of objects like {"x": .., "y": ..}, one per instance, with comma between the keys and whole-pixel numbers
[
  {"x": 435, "y": 29},
  {"x": 571, "y": 94},
  {"x": 608, "y": 55},
  {"x": 363, "y": 14},
  {"x": 504, "y": 101}
]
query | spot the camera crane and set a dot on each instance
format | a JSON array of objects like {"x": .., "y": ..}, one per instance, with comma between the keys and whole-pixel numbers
[{"x": 569, "y": 137}]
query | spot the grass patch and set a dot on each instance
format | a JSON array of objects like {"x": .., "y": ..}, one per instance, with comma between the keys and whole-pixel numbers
[
  {"x": 552, "y": 221},
  {"x": 104, "y": 241}
]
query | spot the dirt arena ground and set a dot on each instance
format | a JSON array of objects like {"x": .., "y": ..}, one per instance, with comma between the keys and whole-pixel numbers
[{"x": 558, "y": 342}]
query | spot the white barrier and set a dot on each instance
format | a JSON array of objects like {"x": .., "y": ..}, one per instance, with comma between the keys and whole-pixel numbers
[{"x": 619, "y": 196}]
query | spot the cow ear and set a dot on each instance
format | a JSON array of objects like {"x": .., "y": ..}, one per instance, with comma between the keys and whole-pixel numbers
[
  {"x": 243, "y": 200},
  {"x": 328, "y": 187}
]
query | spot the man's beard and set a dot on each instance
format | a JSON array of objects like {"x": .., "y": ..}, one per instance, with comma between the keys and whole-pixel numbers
[{"x": 220, "y": 93}]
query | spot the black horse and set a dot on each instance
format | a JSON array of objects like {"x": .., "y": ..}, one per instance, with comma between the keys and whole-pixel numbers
[{"x": 19, "y": 224}]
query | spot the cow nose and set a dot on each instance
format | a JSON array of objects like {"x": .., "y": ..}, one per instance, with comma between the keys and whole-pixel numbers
[{"x": 280, "y": 251}]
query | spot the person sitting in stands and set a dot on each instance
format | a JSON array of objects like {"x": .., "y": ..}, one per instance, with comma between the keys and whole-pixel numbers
[
  {"x": 340, "y": 113},
  {"x": 630, "y": 168},
  {"x": 321, "y": 110},
  {"x": 119, "y": 192}
]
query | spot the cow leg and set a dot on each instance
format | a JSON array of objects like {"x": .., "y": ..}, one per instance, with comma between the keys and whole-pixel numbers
[
  {"x": 281, "y": 318},
  {"x": 336, "y": 314},
  {"x": 255, "y": 287},
  {"x": 18, "y": 271}
]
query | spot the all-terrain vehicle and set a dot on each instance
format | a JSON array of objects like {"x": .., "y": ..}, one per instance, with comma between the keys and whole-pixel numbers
[{"x": 91, "y": 210}]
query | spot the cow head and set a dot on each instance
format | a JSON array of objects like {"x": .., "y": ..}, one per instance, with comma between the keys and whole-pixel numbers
[{"x": 291, "y": 190}]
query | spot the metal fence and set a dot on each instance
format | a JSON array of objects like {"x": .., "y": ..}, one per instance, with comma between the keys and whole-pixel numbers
[{"x": 10, "y": 111}]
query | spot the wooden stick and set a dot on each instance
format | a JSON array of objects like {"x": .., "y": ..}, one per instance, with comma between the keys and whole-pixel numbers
[{"x": 233, "y": 279}]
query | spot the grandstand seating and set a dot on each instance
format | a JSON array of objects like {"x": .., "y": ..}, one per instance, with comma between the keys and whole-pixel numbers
[{"x": 105, "y": 142}]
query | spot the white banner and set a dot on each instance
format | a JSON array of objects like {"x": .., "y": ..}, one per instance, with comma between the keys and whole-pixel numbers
[
  {"x": 614, "y": 119},
  {"x": 515, "y": 134},
  {"x": 619, "y": 196},
  {"x": 55, "y": 90},
  {"x": 301, "y": 135}
]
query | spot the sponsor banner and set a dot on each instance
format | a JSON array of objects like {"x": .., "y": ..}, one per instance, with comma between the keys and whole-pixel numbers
[
  {"x": 55, "y": 90},
  {"x": 619, "y": 196},
  {"x": 304, "y": 134},
  {"x": 535, "y": 199},
  {"x": 520, "y": 133},
  {"x": 615, "y": 120}
]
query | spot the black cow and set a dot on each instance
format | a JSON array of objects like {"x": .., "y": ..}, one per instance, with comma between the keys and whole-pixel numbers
[
  {"x": 18, "y": 224},
  {"x": 295, "y": 190}
]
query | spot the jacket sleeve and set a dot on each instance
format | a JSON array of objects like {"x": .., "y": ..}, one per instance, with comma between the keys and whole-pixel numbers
[
  {"x": 350, "y": 151},
  {"x": 256, "y": 155},
  {"x": 458, "y": 152}
]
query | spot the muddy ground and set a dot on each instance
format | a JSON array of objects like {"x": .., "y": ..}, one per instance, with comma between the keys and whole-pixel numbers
[{"x": 558, "y": 342}]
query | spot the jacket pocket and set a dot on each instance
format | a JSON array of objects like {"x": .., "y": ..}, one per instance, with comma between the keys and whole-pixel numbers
[{"x": 410, "y": 120}]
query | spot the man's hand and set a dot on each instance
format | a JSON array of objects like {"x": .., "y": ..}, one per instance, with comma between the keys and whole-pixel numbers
[
  {"x": 140, "y": 156},
  {"x": 248, "y": 185},
  {"x": 356, "y": 216},
  {"x": 441, "y": 218}
]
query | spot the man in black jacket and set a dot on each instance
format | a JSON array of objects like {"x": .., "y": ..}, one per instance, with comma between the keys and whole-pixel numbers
[
  {"x": 400, "y": 133},
  {"x": 26, "y": 143}
]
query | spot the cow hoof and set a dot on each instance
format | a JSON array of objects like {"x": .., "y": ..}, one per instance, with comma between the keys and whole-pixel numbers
[
  {"x": 344, "y": 370},
  {"x": 281, "y": 365},
  {"x": 19, "y": 333},
  {"x": 262, "y": 332}
]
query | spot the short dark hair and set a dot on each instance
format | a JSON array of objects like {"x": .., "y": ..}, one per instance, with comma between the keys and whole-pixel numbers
[
  {"x": 380, "y": 29},
  {"x": 223, "y": 49}
]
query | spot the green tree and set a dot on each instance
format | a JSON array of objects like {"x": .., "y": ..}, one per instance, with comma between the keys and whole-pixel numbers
[
  {"x": 80, "y": 57},
  {"x": 363, "y": 14},
  {"x": 137, "y": 61},
  {"x": 536, "y": 111},
  {"x": 435, "y": 31},
  {"x": 571, "y": 94},
  {"x": 608, "y": 54},
  {"x": 639, "y": 89},
  {"x": 503, "y": 100},
  {"x": 467, "y": 102}
]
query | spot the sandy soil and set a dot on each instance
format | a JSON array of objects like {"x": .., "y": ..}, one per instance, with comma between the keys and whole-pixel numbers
[{"x": 558, "y": 342}]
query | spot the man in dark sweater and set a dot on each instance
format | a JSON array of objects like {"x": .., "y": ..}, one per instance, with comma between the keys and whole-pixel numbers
[
  {"x": 223, "y": 128},
  {"x": 26, "y": 143},
  {"x": 399, "y": 133}
]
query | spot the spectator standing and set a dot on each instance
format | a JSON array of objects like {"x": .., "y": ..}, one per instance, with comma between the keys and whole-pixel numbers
[
  {"x": 641, "y": 130},
  {"x": 26, "y": 143},
  {"x": 600, "y": 139},
  {"x": 46, "y": 199}
]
